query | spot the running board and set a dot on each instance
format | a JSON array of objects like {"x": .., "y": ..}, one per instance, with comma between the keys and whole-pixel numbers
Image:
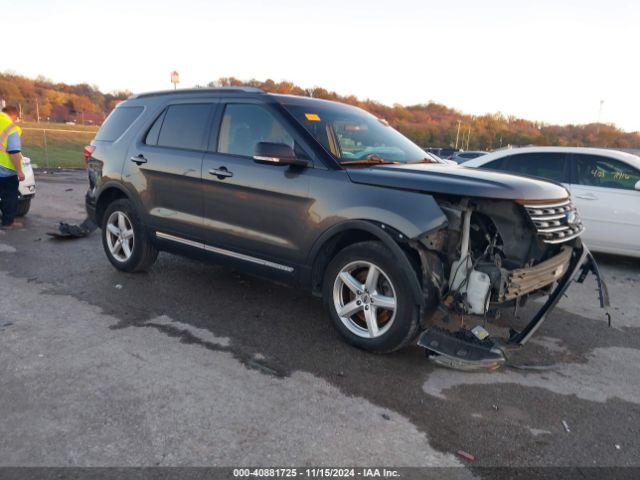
[{"x": 461, "y": 350}]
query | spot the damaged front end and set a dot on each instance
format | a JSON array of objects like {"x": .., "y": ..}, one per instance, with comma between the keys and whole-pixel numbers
[{"x": 491, "y": 255}]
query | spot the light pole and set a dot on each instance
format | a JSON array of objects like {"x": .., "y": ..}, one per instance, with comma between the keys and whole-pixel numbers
[{"x": 458, "y": 134}]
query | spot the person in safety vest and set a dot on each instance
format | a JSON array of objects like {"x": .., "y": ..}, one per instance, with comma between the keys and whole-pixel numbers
[{"x": 10, "y": 166}]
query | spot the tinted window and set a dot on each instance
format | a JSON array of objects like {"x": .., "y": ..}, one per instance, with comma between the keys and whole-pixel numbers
[
  {"x": 496, "y": 164},
  {"x": 154, "y": 131},
  {"x": 597, "y": 171},
  {"x": 548, "y": 165},
  {"x": 243, "y": 126},
  {"x": 117, "y": 122},
  {"x": 184, "y": 126}
]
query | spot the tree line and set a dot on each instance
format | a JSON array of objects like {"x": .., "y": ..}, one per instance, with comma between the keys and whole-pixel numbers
[
  {"x": 43, "y": 100},
  {"x": 429, "y": 124},
  {"x": 435, "y": 125}
]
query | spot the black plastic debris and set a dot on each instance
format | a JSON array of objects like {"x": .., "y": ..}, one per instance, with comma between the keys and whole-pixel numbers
[
  {"x": 461, "y": 350},
  {"x": 70, "y": 231}
]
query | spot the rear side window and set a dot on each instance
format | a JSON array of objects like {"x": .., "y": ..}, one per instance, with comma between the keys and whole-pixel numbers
[
  {"x": 117, "y": 122},
  {"x": 549, "y": 165},
  {"x": 184, "y": 126},
  {"x": 154, "y": 131},
  {"x": 597, "y": 171}
]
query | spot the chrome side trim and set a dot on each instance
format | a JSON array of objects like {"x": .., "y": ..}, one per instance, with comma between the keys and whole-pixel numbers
[
  {"x": 184, "y": 241},
  {"x": 248, "y": 258},
  {"x": 222, "y": 251}
]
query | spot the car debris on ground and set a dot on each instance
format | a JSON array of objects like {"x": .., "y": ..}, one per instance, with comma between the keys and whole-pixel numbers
[
  {"x": 466, "y": 455},
  {"x": 70, "y": 231}
]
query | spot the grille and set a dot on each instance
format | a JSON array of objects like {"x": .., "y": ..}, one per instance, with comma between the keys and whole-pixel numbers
[{"x": 556, "y": 222}]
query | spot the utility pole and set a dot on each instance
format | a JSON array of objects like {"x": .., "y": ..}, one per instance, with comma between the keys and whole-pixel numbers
[
  {"x": 458, "y": 133},
  {"x": 599, "y": 116},
  {"x": 37, "y": 111}
]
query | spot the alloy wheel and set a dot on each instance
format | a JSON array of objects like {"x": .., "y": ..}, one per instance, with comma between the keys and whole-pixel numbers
[
  {"x": 365, "y": 299},
  {"x": 120, "y": 236}
]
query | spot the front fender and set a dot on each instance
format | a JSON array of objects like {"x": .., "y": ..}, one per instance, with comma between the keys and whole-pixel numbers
[{"x": 387, "y": 235}]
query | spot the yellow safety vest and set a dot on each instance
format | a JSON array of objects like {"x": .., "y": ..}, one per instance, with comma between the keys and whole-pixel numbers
[{"x": 7, "y": 127}]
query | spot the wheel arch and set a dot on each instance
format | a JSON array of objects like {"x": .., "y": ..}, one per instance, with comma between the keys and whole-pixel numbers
[
  {"x": 108, "y": 194},
  {"x": 348, "y": 233}
]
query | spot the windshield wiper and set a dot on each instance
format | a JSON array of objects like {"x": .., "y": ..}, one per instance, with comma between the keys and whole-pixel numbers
[
  {"x": 371, "y": 159},
  {"x": 424, "y": 160}
]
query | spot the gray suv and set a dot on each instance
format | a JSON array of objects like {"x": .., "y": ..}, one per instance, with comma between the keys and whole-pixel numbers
[{"x": 329, "y": 198}]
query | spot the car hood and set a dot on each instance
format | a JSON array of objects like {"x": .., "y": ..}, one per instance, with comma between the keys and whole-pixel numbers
[{"x": 457, "y": 180}]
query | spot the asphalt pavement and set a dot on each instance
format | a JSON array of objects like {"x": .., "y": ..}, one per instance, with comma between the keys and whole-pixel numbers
[{"x": 193, "y": 364}]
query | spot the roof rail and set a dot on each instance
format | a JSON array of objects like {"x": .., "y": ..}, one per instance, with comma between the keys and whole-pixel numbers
[{"x": 183, "y": 91}]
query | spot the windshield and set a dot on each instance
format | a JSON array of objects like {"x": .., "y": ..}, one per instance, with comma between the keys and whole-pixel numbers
[{"x": 354, "y": 136}]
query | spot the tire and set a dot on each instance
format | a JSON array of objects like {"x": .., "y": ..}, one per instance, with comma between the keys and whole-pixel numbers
[
  {"x": 394, "y": 328},
  {"x": 23, "y": 207},
  {"x": 136, "y": 253}
]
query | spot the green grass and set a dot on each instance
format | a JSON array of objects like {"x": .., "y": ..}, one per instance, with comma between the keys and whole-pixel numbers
[{"x": 53, "y": 148}]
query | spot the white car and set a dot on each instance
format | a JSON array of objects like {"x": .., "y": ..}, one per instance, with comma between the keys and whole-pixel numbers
[
  {"x": 26, "y": 189},
  {"x": 604, "y": 185}
]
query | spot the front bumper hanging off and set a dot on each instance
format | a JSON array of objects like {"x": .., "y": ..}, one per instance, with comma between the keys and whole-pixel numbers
[
  {"x": 464, "y": 351},
  {"x": 581, "y": 264}
]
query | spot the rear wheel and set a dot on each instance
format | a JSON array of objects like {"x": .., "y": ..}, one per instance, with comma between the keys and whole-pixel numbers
[
  {"x": 367, "y": 295},
  {"x": 125, "y": 239},
  {"x": 23, "y": 207}
]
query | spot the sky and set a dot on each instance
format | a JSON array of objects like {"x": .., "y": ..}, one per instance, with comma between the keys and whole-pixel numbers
[{"x": 551, "y": 61}]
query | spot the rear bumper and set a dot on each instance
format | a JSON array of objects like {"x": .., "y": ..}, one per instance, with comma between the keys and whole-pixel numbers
[
  {"x": 27, "y": 191},
  {"x": 90, "y": 205}
]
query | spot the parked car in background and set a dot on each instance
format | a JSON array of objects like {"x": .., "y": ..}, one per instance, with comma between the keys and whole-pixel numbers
[
  {"x": 437, "y": 159},
  {"x": 26, "y": 189},
  {"x": 446, "y": 153},
  {"x": 463, "y": 156},
  {"x": 604, "y": 184}
]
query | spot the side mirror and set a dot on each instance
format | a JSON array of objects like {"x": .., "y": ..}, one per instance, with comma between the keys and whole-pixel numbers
[
  {"x": 638, "y": 185},
  {"x": 277, "y": 154}
]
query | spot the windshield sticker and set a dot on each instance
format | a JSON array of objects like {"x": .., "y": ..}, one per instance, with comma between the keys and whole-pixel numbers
[{"x": 312, "y": 117}]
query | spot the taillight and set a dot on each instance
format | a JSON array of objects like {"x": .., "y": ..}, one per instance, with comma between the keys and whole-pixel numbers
[{"x": 86, "y": 153}]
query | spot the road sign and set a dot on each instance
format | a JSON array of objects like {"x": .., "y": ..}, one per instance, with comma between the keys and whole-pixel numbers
[{"x": 175, "y": 78}]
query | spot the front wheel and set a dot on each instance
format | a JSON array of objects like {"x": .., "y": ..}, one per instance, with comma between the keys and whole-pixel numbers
[
  {"x": 125, "y": 239},
  {"x": 367, "y": 295}
]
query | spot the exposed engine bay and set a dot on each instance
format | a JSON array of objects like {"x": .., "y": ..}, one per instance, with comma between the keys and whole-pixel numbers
[{"x": 496, "y": 254}]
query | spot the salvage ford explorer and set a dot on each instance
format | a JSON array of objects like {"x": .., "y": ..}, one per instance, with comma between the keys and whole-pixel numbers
[{"x": 329, "y": 198}]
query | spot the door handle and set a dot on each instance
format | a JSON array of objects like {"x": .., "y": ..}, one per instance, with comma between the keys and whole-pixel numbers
[
  {"x": 586, "y": 196},
  {"x": 221, "y": 173},
  {"x": 139, "y": 159}
]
